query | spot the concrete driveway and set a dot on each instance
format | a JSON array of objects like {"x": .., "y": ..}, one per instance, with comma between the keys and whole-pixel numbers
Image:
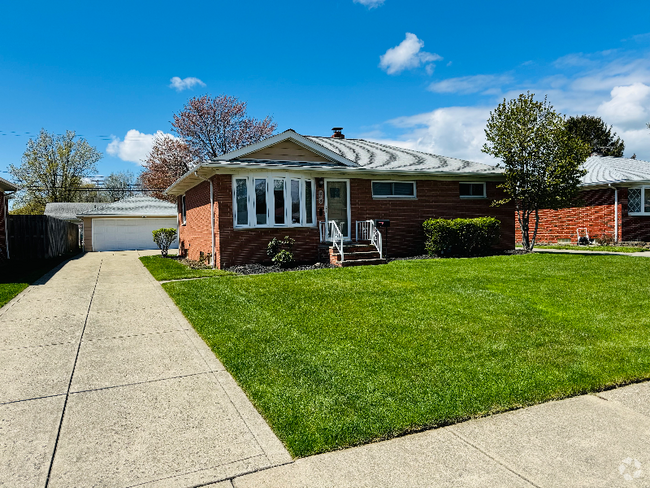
[{"x": 104, "y": 383}]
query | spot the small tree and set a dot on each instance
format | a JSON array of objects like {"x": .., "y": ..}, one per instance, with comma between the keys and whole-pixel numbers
[
  {"x": 164, "y": 238},
  {"x": 542, "y": 161},
  {"x": 594, "y": 131},
  {"x": 169, "y": 159}
]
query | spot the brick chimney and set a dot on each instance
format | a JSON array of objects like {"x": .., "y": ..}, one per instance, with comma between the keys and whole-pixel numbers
[{"x": 337, "y": 133}]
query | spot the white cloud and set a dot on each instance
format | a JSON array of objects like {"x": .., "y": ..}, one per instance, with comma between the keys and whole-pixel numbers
[
  {"x": 407, "y": 55},
  {"x": 451, "y": 131},
  {"x": 628, "y": 108},
  {"x": 135, "y": 147},
  {"x": 370, "y": 3},
  {"x": 469, "y": 84},
  {"x": 185, "y": 84}
]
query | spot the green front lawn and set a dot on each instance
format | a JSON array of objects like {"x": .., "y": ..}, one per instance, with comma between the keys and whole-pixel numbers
[
  {"x": 592, "y": 248},
  {"x": 339, "y": 357},
  {"x": 163, "y": 269},
  {"x": 15, "y": 276}
]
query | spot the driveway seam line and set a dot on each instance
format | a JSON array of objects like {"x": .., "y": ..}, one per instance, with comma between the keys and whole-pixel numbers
[
  {"x": 37, "y": 346},
  {"x": 74, "y": 366},
  {"x": 501, "y": 463},
  {"x": 204, "y": 469},
  {"x": 30, "y": 399},
  {"x": 189, "y": 375}
]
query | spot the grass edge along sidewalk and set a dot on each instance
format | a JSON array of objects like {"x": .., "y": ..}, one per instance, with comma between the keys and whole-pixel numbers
[
  {"x": 340, "y": 357},
  {"x": 163, "y": 269}
]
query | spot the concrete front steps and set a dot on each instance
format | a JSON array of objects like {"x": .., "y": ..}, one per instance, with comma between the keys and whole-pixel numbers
[{"x": 357, "y": 254}]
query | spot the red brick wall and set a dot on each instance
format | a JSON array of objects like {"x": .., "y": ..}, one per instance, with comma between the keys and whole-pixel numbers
[
  {"x": 3, "y": 214},
  {"x": 405, "y": 237},
  {"x": 194, "y": 237},
  {"x": 596, "y": 214},
  {"x": 435, "y": 199}
]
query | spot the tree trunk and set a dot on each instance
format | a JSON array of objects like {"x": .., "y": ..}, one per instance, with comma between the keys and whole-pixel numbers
[{"x": 535, "y": 231}]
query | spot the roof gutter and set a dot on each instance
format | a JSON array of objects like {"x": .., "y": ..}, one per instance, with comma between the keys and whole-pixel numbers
[
  {"x": 212, "y": 257},
  {"x": 496, "y": 176},
  {"x": 615, "y": 213}
]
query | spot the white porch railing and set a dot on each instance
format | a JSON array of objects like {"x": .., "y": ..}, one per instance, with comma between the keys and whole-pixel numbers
[
  {"x": 336, "y": 236},
  {"x": 366, "y": 231}
]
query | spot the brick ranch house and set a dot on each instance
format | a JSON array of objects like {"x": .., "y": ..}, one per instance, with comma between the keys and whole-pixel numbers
[
  {"x": 614, "y": 202},
  {"x": 5, "y": 187},
  {"x": 320, "y": 190}
]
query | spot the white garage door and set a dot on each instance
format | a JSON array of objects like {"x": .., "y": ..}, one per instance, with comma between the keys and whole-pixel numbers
[{"x": 128, "y": 234}]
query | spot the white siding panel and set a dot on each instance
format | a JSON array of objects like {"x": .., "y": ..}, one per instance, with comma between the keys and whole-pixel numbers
[{"x": 114, "y": 234}]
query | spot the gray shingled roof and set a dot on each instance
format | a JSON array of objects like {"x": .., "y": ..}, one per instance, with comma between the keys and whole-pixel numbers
[
  {"x": 138, "y": 206},
  {"x": 70, "y": 210},
  {"x": 603, "y": 170},
  {"x": 376, "y": 156},
  {"x": 7, "y": 185}
]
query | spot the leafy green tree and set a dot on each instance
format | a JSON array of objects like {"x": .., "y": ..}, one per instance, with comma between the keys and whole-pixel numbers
[
  {"x": 594, "y": 131},
  {"x": 541, "y": 159},
  {"x": 52, "y": 169}
]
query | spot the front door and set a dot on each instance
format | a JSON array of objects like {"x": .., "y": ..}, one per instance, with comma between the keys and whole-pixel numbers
[{"x": 336, "y": 205}]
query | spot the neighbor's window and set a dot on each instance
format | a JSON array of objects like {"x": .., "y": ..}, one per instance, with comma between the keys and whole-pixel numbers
[
  {"x": 393, "y": 189},
  {"x": 277, "y": 201},
  {"x": 472, "y": 190},
  {"x": 183, "y": 214},
  {"x": 241, "y": 201},
  {"x": 638, "y": 200}
]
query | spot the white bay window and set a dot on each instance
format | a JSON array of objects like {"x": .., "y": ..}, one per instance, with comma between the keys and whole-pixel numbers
[{"x": 273, "y": 201}]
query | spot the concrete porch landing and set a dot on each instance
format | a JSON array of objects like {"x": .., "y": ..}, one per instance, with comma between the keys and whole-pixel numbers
[{"x": 104, "y": 383}]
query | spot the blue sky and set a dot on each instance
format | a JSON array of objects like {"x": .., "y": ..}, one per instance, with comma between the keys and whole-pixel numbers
[{"x": 419, "y": 74}]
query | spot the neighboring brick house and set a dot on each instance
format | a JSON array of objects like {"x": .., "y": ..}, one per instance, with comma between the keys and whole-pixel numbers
[
  {"x": 5, "y": 186},
  {"x": 320, "y": 189},
  {"x": 614, "y": 202}
]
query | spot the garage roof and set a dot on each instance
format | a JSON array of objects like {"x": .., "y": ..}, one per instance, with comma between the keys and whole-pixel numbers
[{"x": 138, "y": 206}]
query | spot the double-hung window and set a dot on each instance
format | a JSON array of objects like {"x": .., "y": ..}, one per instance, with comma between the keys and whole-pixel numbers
[
  {"x": 638, "y": 200},
  {"x": 273, "y": 200}
]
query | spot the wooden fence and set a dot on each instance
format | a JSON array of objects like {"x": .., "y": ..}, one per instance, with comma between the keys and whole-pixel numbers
[{"x": 41, "y": 236}]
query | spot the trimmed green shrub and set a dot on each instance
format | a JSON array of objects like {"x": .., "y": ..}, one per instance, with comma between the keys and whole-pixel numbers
[
  {"x": 164, "y": 238},
  {"x": 461, "y": 237},
  {"x": 280, "y": 251}
]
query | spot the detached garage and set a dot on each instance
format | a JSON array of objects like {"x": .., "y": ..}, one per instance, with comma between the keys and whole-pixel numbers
[{"x": 127, "y": 224}]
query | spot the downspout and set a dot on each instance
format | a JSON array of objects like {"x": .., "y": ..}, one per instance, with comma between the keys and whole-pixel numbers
[
  {"x": 196, "y": 173},
  {"x": 615, "y": 213},
  {"x": 5, "y": 215}
]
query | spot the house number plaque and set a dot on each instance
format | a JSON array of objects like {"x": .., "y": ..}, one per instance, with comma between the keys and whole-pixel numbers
[{"x": 321, "y": 196}]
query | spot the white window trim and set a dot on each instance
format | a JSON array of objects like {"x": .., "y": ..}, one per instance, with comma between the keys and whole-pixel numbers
[
  {"x": 642, "y": 213},
  {"x": 473, "y": 183},
  {"x": 183, "y": 211},
  {"x": 270, "y": 200},
  {"x": 394, "y": 197}
]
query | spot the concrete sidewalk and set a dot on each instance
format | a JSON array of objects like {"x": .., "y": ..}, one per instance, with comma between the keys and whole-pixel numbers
[
  {"x": 589, "y": 441},
  {"x": 104, "y": 383}
]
